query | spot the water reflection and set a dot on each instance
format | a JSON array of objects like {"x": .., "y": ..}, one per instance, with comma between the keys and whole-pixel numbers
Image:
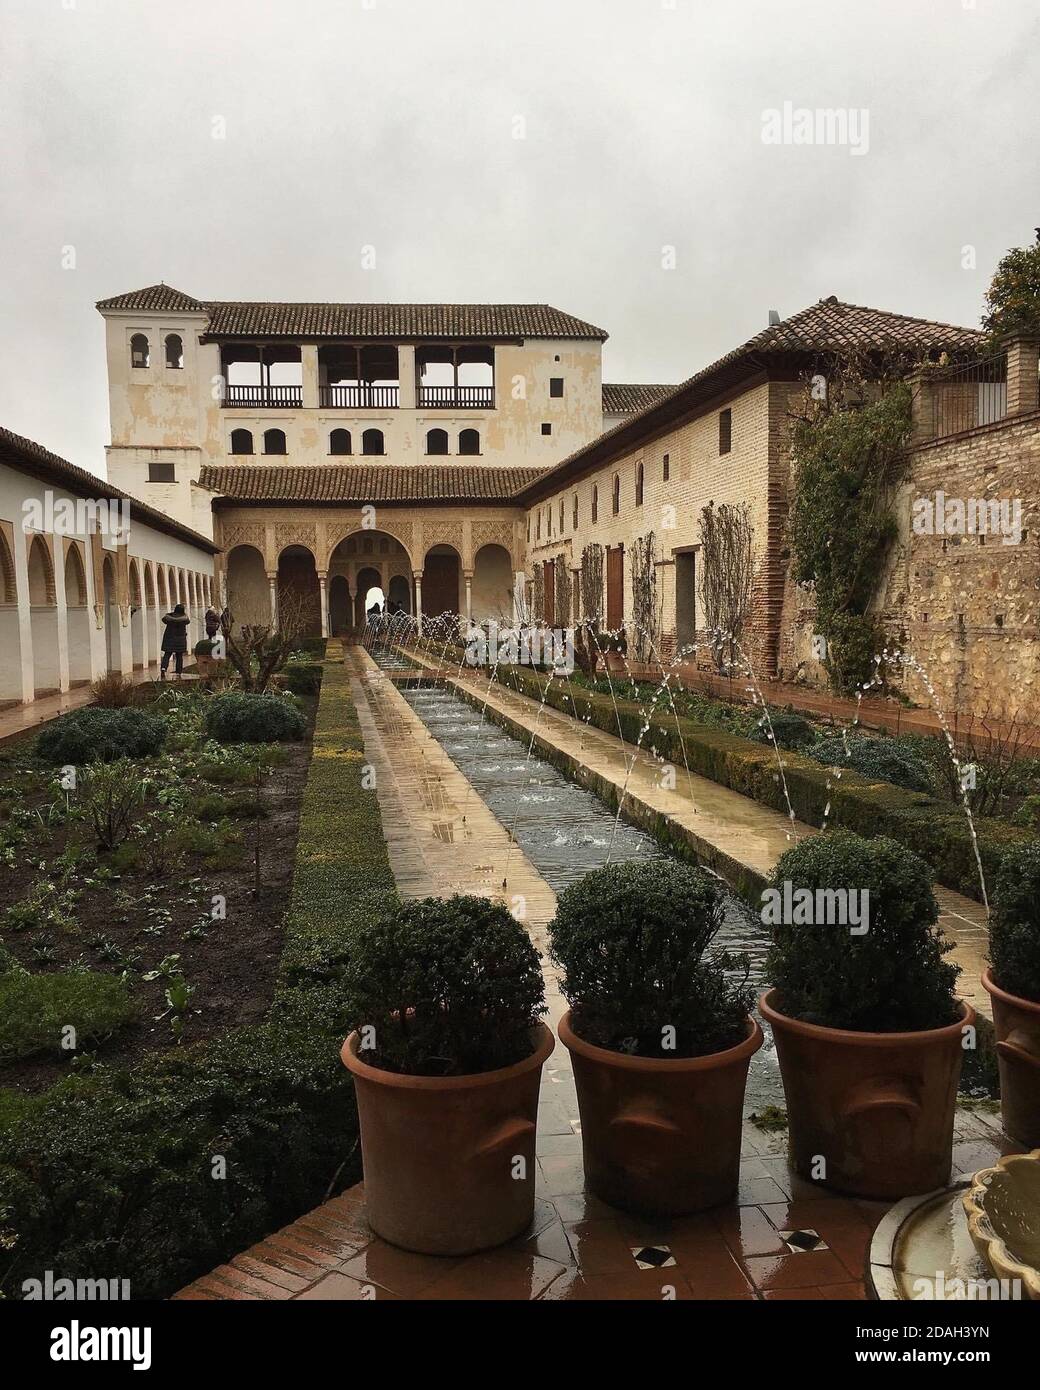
[{"x": 566, "y": 830}]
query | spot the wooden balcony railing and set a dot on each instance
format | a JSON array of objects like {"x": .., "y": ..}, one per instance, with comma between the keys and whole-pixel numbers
[
  {"x": 259, "y": 397},
  {"x": 457, "y": 397},
  {"x": 359, "y": 396}
]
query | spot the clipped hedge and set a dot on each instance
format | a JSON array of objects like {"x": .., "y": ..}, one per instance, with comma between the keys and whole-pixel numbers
[
  {"x": 934, "y": 829},
  {"x": 98, "y": 732},
  {"x": 239, "y": 717},
  {"x": 35, "y": 1009},
  {"x": 112, "y": 1173}
]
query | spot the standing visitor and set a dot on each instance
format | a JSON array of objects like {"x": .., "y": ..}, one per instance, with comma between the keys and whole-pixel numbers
[{"x": 174, "y": 640}]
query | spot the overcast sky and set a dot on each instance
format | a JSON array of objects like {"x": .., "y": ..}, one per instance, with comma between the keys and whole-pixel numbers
[{"x": 393, "y": 124}]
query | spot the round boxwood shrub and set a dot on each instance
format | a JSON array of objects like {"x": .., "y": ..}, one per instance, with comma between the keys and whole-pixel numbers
[
  {"x": 880, "y": 759},
  {"x": 631, "y": 942},
  {"x": 1014, "y": 929},
  {"x": 790, "y": 730},
  {"x": 100, "y": 734},
  {"x": 449, "y": 986},
  {"x": 892, "y": 977},
  {"x": 238, "y": 717}
]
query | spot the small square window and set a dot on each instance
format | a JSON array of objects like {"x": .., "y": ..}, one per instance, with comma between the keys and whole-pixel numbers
[
  {"x": 725, "y": 431},
  {"x": 556, "y": 386},
  {"x": 161, "y": 473},
  {"x": 546, "y": 427}
]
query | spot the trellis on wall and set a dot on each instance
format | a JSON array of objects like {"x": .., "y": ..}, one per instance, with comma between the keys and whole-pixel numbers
[
  {"x": 646, "y": 612},
  {"x": 591, "y": 583}
]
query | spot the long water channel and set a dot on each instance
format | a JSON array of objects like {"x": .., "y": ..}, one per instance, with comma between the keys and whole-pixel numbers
[{"x": 565, "y": 830}]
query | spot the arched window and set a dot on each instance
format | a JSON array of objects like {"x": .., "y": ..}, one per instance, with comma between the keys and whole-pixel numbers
[
  {"x": 339, "y": 442},
  {"x": 436, "y": 441},
  {"x": 372, "y": 442},
  {"x": 639, "y": 484},
  {"x": 139, "y": 351},
  {"x": 274, "y": 441},
  {"x": 174, "y": 351},
  {"x": 615, "y": 504},
  {"x": 574, "y": 512},
  {"x": 241, "y": 441},
  {"x": 469, "y": 442},
  {"x": 595, "y": 505}
]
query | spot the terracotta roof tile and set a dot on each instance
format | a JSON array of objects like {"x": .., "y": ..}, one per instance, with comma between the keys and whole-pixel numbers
[
  {"x": 261, "y": 319},
  {"x": 361, "y": 483},
  {"x": 829, "y": 326},
  {"x": 27, "y": 456},
  {"x": 163, "y": 298},
  {"x": 623, "y": 398}
]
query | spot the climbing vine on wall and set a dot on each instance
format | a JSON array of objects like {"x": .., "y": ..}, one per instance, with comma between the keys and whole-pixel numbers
[
  {"x": 592, "y": 583},
  {"x": 645, "y": 612},
  {"x": 537, "y": 593},
  {"x": 848, "y": 454},
  {"x": 726, "y": 571}
]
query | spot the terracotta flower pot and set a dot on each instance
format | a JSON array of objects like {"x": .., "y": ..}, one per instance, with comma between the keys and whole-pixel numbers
[
  {"x": 876, "y": 1107},
  {"x": 1016, "y": 1023},
  {"x": 660, "y": 1136},
  {"x": 440, "y": 1153}
]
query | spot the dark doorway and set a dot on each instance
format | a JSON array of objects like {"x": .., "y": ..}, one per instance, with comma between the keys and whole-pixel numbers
[
  {"x": 440, "y": 582},
  {"x": 685, "y": 600},
  {"x": 615, "y": 586}
]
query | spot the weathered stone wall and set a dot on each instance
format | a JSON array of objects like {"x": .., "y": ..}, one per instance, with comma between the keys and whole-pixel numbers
[{"x": 966, "y": 606}]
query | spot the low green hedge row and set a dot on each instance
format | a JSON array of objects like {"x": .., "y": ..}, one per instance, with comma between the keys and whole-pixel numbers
[
  {"x": 160, "y": 1172},
  {"x": 936, "y": 831}
]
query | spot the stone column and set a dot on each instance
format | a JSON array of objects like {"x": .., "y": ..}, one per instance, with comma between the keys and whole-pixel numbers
[
  {"x": 417, "y": 576},
  {"x": 406, "y": 376},
  {"x": 1023, "y": 373},
  {"x": 309, "y": 365},
  {"x": 323, "y": 591},
  {"x": 468, "y": 577},
  {"x": 272, "y": 587}
]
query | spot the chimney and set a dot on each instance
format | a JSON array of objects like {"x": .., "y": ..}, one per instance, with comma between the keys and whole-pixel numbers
[{"x": 774, "y": 317}]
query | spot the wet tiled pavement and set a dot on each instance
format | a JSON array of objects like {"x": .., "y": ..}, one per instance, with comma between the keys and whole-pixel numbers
[{"x": 782, "y": 1238}]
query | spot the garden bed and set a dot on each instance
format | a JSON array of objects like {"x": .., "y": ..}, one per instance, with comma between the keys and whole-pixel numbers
[
  {"x": 158, "y": 1171},
  {"x": 66, "y": 904}
]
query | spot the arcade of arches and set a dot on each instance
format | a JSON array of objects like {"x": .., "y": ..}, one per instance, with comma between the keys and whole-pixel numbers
[{"x": 330, "y": 566}]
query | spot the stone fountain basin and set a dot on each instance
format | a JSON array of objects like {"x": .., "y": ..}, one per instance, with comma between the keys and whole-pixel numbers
[{"x": 1002, "y": 1206}]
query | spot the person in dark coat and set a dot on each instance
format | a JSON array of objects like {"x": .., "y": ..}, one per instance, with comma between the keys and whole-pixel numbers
[
  {"x": 174, "y": 640},
  {"x": 212, "y": 623}
]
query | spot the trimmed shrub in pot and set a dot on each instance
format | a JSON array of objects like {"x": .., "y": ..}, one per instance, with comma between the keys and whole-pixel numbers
[
  {"x": 659, "y": 1035},
  {"x": 446, "y": 1056},
  {"x": 868, "y": 1031},
  {"x": 1013, "y": 983}
]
